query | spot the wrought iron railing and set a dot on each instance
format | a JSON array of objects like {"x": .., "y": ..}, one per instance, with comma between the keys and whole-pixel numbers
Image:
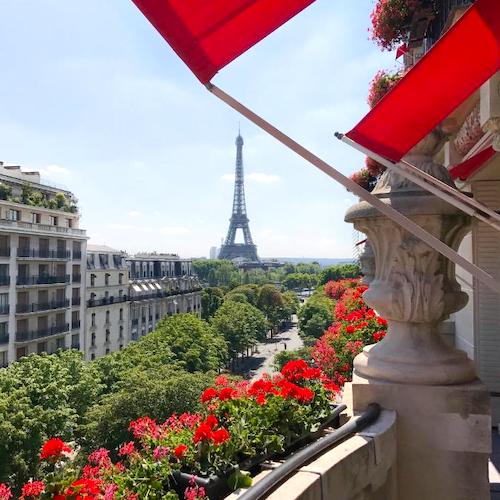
[
  {"x": 41, "y": 306},
  {"x": 43, "y": 279},
  {"x": 26, "y": 336}
]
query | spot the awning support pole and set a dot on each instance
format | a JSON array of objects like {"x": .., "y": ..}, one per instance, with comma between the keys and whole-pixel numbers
[
  {"x": 431, "y": 184},
  {"x": 387, "y": 210}
]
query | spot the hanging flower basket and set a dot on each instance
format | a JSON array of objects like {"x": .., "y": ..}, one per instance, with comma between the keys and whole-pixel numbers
[
  {"x": 381, "y": 84},
  {"x": 391, "y": 20}
]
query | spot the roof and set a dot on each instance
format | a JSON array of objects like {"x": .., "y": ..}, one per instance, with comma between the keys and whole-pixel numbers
[{"x": 102, "y": 249}]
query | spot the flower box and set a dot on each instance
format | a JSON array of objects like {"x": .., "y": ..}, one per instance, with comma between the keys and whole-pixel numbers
[{"x": 217, "y": 487}]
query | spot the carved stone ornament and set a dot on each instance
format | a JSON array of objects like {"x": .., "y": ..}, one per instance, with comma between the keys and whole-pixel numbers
[
  {"x": 413, "y": 286},
  {"x": 493, "y": 125}
]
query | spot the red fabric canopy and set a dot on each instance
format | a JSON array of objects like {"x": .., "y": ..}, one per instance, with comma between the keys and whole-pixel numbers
[
  {"x": 208, "y": 34},
  {"x": 458, "y": 64},
  {"x": 465, "y": 169}
]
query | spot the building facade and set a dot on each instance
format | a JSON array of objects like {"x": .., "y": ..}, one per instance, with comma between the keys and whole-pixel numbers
[
  {"x": 160, "y": 285},
  {"x": 41, "y": 266},
  {"x": 107, "y": 295}
]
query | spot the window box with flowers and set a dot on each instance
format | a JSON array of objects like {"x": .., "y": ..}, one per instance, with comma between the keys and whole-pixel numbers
[{"x": 195, "y": 456}]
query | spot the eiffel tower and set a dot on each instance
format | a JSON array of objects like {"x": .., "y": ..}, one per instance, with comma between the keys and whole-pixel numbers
[{"x": 239, "y": 220}]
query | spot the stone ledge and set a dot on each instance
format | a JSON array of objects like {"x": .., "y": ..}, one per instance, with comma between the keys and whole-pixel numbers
[{"x": 357, "y": 468}]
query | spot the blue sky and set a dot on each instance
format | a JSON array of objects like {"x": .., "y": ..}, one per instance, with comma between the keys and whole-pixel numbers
[{"x": 93, "y": 97}]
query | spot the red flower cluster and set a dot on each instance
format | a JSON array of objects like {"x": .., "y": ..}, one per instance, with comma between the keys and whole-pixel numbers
[
  {"x": 5, "y": 492},
  {"x": 335, "y": 289},
  {"x": 144, "y": 426},
  {"x": 380, "y": 85},
  {"x": 127, "y": 449},
  {"x": 299, "y": 370},
  {"x": 206, "y": 432},
  {"x": 390, "y": 20},
  {"x": 54, "y": 449},
  {"x": 32, "y": 489},
  {"x": 83, "y": 489},
  {"x": 355, "y": 326}
]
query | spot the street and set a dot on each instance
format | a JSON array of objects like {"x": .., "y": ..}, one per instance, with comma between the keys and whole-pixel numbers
[{"x": 262, "y": 361}]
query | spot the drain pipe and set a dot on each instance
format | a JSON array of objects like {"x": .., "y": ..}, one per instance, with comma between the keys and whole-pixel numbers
[{"x": 306, "y": 454}]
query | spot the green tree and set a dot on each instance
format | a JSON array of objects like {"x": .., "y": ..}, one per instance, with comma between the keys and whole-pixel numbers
[
  {"x": 251, "y": 292},
  {"x": 42, "y": 396},
  {"x": 157, "y": 393},
  {"x": 297, "y": 281},
  {"x": 241, "y": 324},
  {"x": 339, "y": 271},
  {"x": 270, "y": 302},
  {"x": 291, "y": 302},
  {"x": 316, "y": 315},
  {"x": 283, "y": 357},
  {"x": 211, "y": 299}
]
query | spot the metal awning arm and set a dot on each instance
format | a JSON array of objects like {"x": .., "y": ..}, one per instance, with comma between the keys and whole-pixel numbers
[{"x": 387, "y": 210}]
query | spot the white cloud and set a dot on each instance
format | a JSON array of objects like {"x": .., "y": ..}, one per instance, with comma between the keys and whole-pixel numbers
[
  {"x": 134, "y": 213},
  {"x": 174, "y": 230},
  {"x": 55, "y": 171}
]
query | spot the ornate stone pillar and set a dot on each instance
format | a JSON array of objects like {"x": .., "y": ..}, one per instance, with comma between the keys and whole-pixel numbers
[{"x": 433, "y": 386}]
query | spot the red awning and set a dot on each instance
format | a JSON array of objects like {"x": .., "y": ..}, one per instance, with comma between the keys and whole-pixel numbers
[
  {"x": 465, "y": 169},
  {"x": 458, "y": 64},
  {"x": 208, "y": 34}
]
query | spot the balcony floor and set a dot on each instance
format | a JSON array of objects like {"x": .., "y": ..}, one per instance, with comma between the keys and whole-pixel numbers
[{"x": 494, "y": 466}]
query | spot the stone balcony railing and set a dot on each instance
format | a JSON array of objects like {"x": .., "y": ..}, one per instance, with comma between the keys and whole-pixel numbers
[
  {"x": 42, "y": 228},
  {"x": 361, "y": 467}
]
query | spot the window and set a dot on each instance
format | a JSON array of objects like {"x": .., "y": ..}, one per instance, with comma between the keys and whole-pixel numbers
[
  {"x": 41, "y": 347},
  {"x": 92, "y": 356},
  {"x": 121, "y": 347},
  {"x": 4, "y": 359},
  {"x": 107, "y": 317},
  {"x": 60, "y": 344},
  {"x": 120, "y": 335},
  {"x": 103, "y": 259},
  {"x": 13, "y": 215},
  {"x": 36, "y": 218},
  {"x": 4, "y": 303},
  {"x": 107, "y": 350},
  {"x": 75, "y": 341},
  {"x": 120, "y": 279},
  {"x": 106, "y": 279},
  {"x": 92, "y": 339},
  {"x": 92, "y": 280},
  {"x": 53, "y": 220},
  {"x": 121, "y": 313},
  {"x": 107, "y": 336},
  {"x": 21, "y": 351},
  {"x": 69, "y": 223},
  {"x": 93, "y": 321},
  {"x": 4, "y": 329}
]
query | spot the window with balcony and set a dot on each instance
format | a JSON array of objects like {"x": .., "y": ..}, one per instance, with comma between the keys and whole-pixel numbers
[
  {"x": 43, "y": 247},
  {"x": 4, "y": 303},
  {"x": 92, "y": 279},
  {"x": 13, "y": 214},
  {"x": 36, "y": 218},
  {"x": 60, "y": 343},
  {"x": 76, "y": 275},
  {"x": 41, "y": 347},
  {"x": 69, "y": 223},
  {"x": 4, "y": 245},
  {"x": 21, "y": 352},
  {"x": 4, "y": 332},
  {"x": 4, "y": 359},
  {"x": 75, "y": 341},
  {"x": 77, "y": 250},
  {"x": 53, "y": 220},
  {"x": 4, "y": 274}
]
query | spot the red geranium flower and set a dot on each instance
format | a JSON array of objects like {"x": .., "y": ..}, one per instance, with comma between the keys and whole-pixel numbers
[
  {"x": 226, "y": 393},
  {"x": 144, "y": 426},
  {"x": 220, "y": 436},
  {"x": 208, "y": 395},
  {"x": 180, "y": 451},
  {"x": 202, "y": 433},
  {"x": 84, "y": 488},
  {"x": 127, "y": 449},
  {"x": 5, "y": 492},
  {"x": 32, "y": 489},
  {"x": 54, "y": 448}
]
